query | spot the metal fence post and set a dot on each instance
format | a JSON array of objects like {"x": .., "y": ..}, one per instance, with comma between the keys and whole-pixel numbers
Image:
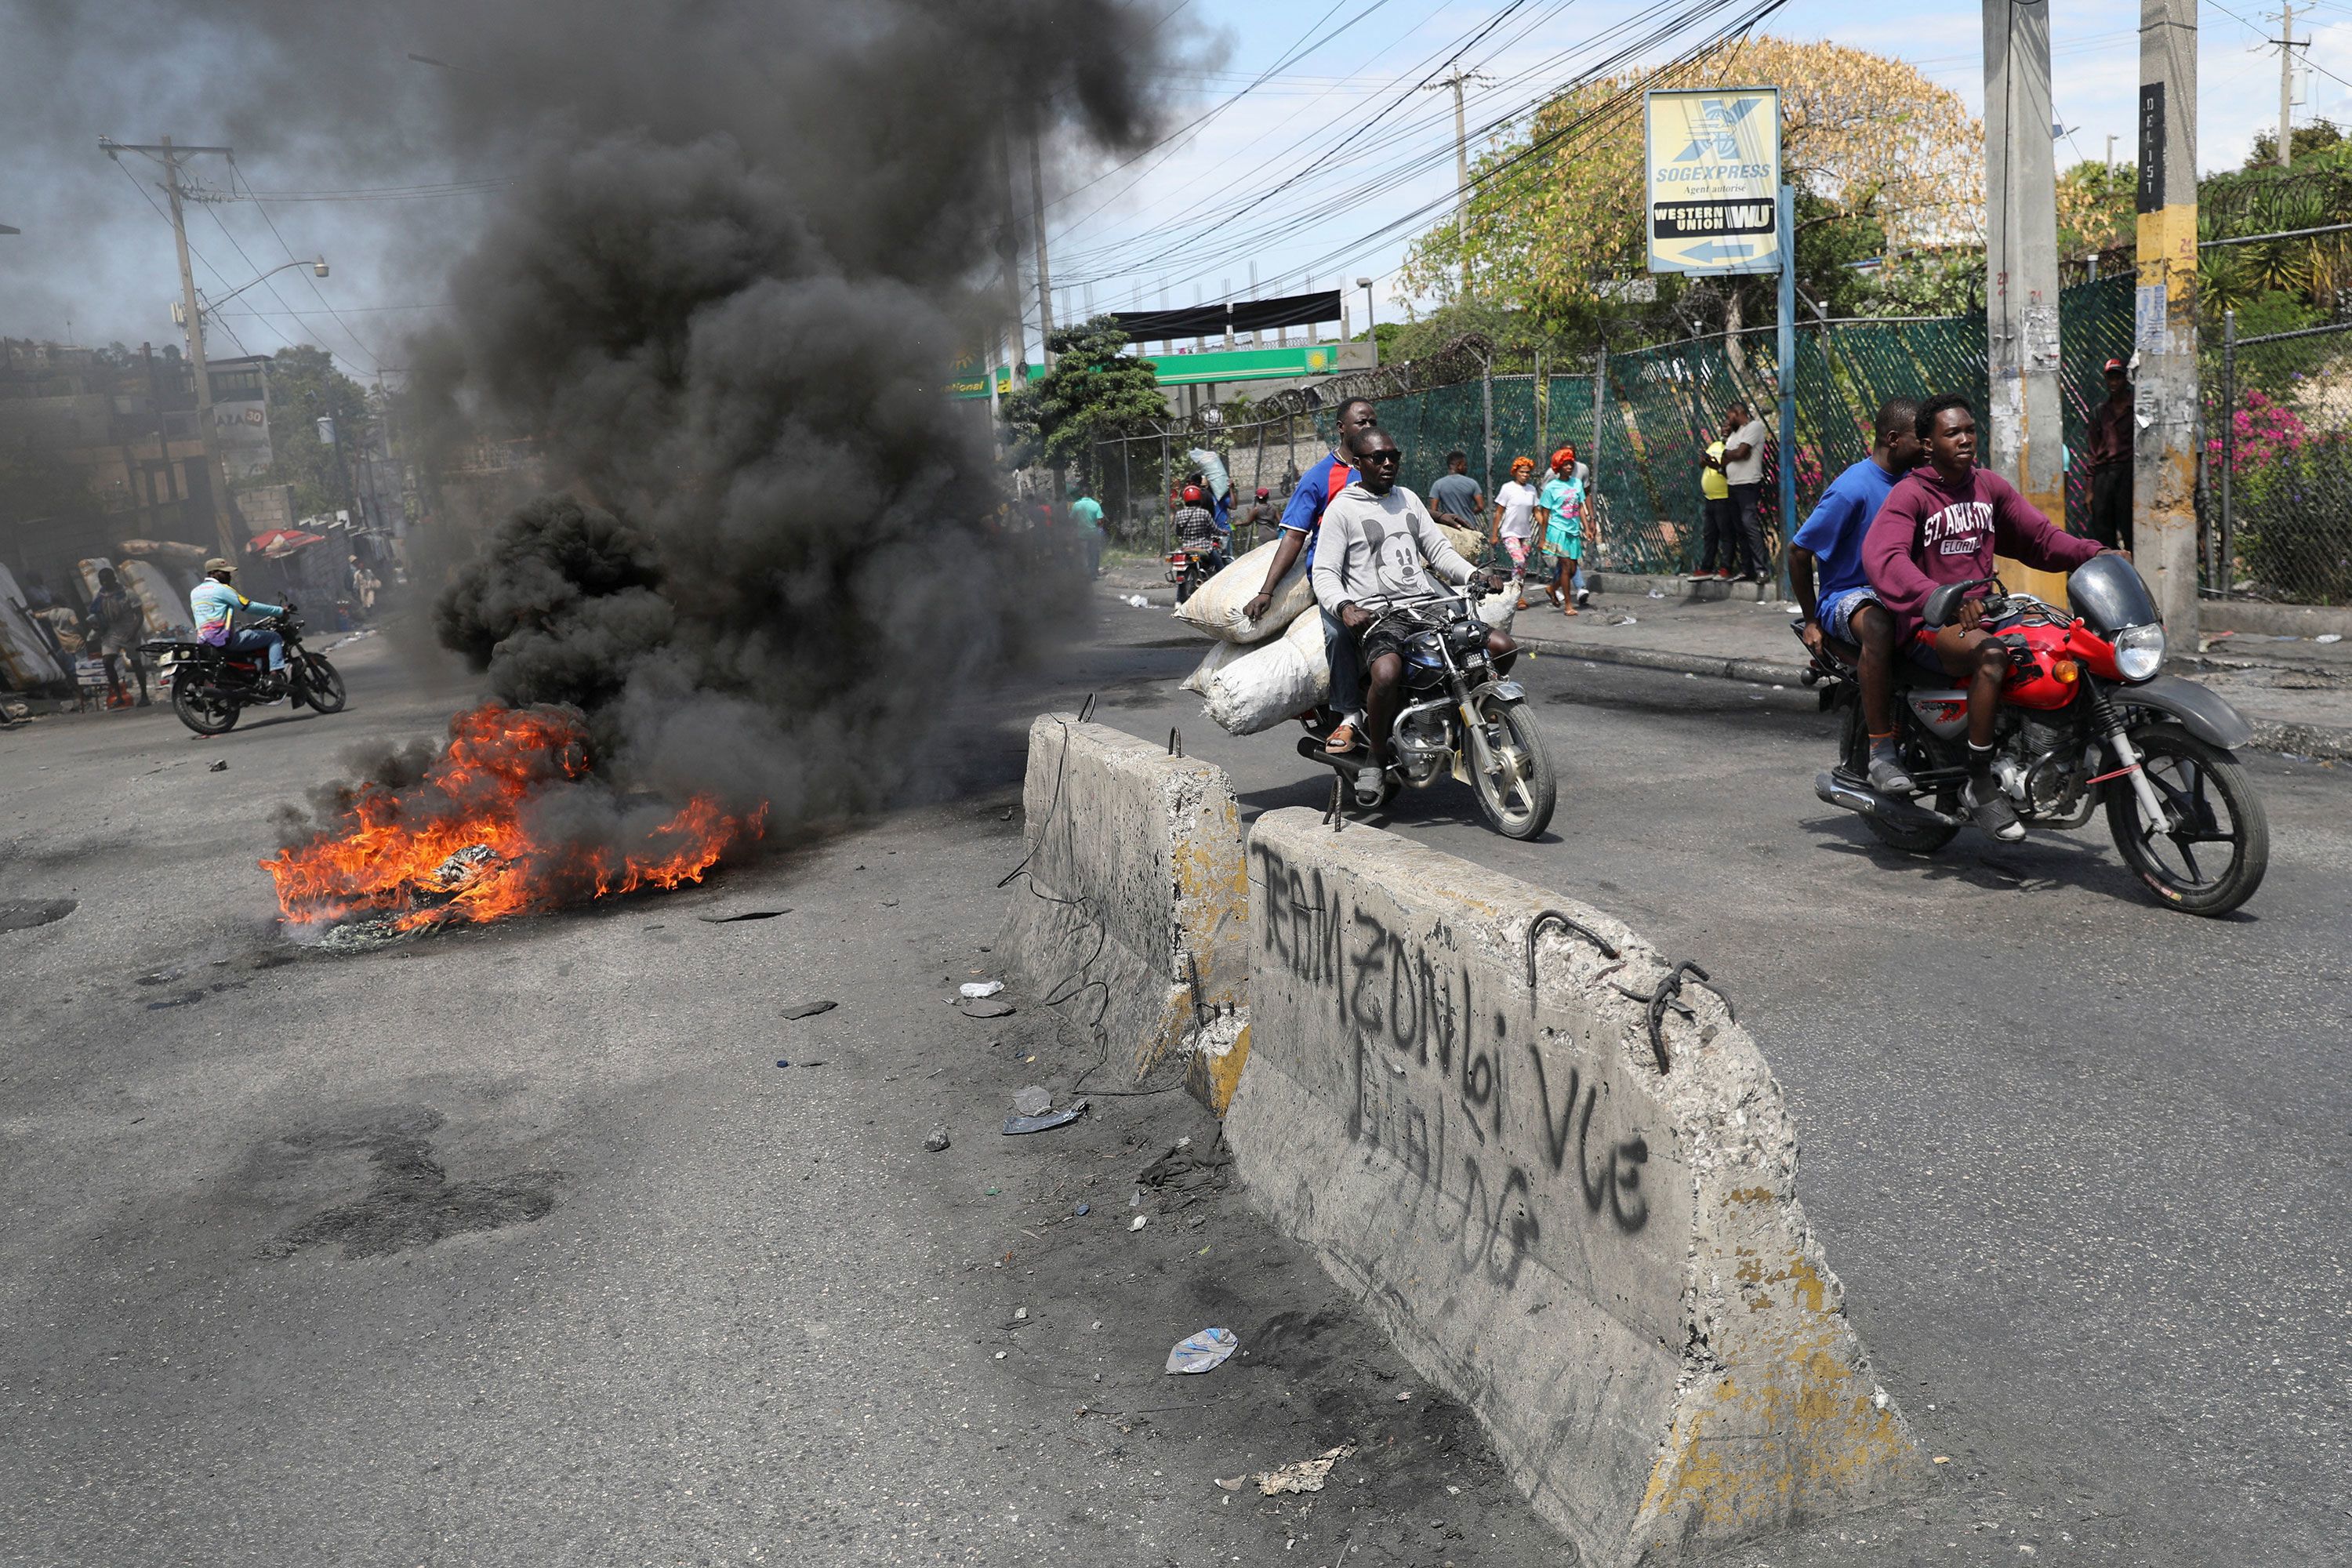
[
  {"x": 1166, "y": 518},
  {"x": 2228, "y": 570},
  {"x": 1599, "y": 398},
  {"x": 1486, "y": 417},
  {"x": 1126, "y": 490}
]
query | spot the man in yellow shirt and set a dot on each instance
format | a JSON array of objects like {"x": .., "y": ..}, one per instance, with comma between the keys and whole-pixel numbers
[{"x": 1716, "y": 514}]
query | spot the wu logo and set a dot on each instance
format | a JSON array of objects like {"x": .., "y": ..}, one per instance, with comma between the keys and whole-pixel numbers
[{"x": 1718, "y": 134}]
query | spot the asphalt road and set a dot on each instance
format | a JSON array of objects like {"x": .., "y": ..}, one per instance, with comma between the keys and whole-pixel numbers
[
  {"x": 2080, "y": 1160},
  {"x": 517, "y": 1245}
]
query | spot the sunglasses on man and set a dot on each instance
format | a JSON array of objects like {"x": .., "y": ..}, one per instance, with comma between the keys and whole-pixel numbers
[{"x": 1388, "y": 457}]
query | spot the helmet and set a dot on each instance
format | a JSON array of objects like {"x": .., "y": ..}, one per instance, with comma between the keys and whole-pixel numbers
[
  {"x": 1192, "y": 495},
  {"x": 1263, "y": 492},
  {"x": 1564, "y": 457}
]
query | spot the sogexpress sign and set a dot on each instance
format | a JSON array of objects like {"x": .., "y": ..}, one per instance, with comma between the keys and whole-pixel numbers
[{"x": 1714, "y": 157}]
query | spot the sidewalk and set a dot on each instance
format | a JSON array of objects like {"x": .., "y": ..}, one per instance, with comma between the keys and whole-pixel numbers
[{"x": 2298, "y": 693}]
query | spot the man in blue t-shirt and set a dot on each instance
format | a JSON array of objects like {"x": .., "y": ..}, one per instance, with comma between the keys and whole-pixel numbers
[
  {"x": 1301, "y": 520},
  {"x": 1825, "y": 568}
]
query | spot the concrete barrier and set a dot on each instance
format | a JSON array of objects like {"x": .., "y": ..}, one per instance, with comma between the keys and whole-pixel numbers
[
  {"x": 1607, "y": 1262},
  {"x": 1130, "y": 915}
]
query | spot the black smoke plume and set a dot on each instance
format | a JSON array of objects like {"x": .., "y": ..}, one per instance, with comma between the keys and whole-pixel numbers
[{"x": 744, "y": 245}]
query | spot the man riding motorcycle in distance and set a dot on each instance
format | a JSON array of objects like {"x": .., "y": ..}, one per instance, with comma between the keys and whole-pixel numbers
[
  {"x": 1825, "y": 569},
  {"x": 1300, "y": 521},
  {"x": 1943, "y": 523},
  {"x": 1196, "y": 526},
  {"x": 216, "y": 603},
  {"x": 1376, "y": 535}
]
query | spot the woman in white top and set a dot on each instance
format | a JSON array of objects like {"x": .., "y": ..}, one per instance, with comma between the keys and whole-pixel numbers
[{"x": 1513, "y": 522}]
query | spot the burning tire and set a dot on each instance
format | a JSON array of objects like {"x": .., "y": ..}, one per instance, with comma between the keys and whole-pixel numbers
[
  {"x": 322, "y": 687},
  {"x": 202, "y": 709}
]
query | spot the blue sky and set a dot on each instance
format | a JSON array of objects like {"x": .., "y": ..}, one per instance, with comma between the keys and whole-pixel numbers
[{"x": 94, "y": 250}]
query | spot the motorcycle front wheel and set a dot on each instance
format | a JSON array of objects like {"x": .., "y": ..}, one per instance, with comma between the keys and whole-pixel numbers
[
  {"x": 323, "y": 686},
  {"x": 2211, "y": 853},
  {"x": 202, "y": 709},
  {"x": 1516, "y": 784}
]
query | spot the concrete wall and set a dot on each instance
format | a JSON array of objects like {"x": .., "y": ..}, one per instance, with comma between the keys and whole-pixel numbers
[
  {"x": 1607, "y": 1263},
  {"x": 1130, "y": 919}
]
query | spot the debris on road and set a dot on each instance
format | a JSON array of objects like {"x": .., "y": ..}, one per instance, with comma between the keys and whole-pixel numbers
[
  {"x": 1080, "y": 1211},
  {"x": 744, "y": 915},
  {"x": 1032, "y": 1099},
  {"x": 978, "y": 989},
  {"x": 361, "y": 936},
  {"x": 938, "y": 1141},
  {"x": 1014, "y": 1126},
  {"x": 986, "y": 1007},
  {"x": 463, "y": 867},
  {"x": 218, "y": 767},
  {"x": 811, "y": 1009},
  {"x": 1204, "y": 1351},
  {"x": 1189, "y": 1175},
  {"x": 1139, "y": 1222},
  {"x": 1304, "y": 1476}
]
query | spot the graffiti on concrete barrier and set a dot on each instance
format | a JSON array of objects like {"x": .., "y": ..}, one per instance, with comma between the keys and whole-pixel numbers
[{"x": 1433, "y": 1085}]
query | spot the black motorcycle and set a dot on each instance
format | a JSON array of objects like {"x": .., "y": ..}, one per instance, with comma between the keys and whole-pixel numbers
[
  {"x": 1461, "y": 720},
  {"x": 211, "y": 687}
]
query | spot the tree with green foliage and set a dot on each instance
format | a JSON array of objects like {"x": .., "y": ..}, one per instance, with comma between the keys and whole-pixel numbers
[
  {"x": 2319, "y": 136},
  {"x": 305, "y": 388},
  {"x": 1095, "y": 391}
]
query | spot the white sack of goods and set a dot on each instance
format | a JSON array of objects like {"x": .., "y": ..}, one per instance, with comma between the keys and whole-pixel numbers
[
  {"x": 1220, "y": 655},
  {"x": 1215, "y": 607},
  {"x": 1467, "y": 543},
  {"x": 1279, "y": 680},
  {"x": 1497, "y": 609}
]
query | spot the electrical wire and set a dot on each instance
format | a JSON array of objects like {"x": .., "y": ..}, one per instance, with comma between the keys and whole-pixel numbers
[{"x": 238, "y": 174}]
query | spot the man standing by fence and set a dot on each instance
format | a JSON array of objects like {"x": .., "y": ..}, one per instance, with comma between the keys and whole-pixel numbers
[
  {"x": 2111, "y": 462},
  {"x": 1743, "y": 471}
]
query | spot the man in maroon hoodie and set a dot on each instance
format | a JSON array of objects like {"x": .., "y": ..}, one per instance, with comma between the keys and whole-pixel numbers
[{"x": 1943, "y": 523}]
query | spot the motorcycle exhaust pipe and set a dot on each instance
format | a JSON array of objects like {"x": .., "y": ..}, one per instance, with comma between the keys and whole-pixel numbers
[{"x": 1835, "y": 791}]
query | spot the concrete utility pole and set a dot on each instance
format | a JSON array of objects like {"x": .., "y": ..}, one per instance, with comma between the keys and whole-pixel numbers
[
  {"x": 2164, "y": 401},
  {"x": 2287, "y": 46},
  {"x": 1456, "y": 80},
  {"x": 2025, "y": 443},
  {"x": 1045, "y": 284},
  {"x": 215, "y": 475}
]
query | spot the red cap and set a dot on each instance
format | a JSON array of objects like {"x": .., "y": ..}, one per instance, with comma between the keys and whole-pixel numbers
[{"x": 2112, "y": 364}]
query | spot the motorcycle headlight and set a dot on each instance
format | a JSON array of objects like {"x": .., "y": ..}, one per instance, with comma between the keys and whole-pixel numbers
[{"x": 2139, "y": 652}]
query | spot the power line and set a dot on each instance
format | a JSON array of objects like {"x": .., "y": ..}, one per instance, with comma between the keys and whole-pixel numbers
[
  {"x": 237, "y": 174},
  {"x": 219, "y": 277}
]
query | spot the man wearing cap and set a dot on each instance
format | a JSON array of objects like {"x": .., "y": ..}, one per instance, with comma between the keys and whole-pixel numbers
[
  {"x": 215, "y": 605},
  {"x": 2111, "y": 462}
]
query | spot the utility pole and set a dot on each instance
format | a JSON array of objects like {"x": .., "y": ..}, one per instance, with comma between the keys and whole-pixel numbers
[
  {"x": 1045, "y": 302},
  {"x": 1037, "y": 219},
  {"x": 2287, "y": 45},
  {"x": 1457, "y": 79},
  {"x": 2165, "y": 390},
  {"x": 2026, "y": 443},
  {"x": 1009, "y": 336},
  {"x": 215, "y": 475}
]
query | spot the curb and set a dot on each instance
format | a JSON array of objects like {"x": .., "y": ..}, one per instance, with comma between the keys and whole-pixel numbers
[{"x": 2270, "y": 734}]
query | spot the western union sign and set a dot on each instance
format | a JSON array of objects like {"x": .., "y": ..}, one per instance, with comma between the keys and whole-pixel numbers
[{"x": 1714, "y": 157}]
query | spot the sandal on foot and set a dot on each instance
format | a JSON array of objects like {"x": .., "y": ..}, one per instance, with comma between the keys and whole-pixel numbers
[{"x": 1342, "y": 740}]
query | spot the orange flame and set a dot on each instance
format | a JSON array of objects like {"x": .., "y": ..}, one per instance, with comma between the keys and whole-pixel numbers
[{"x": 390, "y": 856}]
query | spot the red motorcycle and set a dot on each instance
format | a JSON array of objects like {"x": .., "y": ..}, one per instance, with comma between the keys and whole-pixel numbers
[{"x": 2087, "y": 720}]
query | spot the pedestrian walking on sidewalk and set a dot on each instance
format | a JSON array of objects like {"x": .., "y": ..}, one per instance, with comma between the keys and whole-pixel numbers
[
  {"x": 2111, "y": 462},
  {"x": 1513, "y": 525},
  {"x": 1560, "y": 508},
  {"x": 1743, "y": 471},
  {"x": 1454, "y": 498}
]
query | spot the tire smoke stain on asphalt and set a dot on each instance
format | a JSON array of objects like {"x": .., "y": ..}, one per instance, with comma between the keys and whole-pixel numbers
[{"x": 412, "y": 1203}]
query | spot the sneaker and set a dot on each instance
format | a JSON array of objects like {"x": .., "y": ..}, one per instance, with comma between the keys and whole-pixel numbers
[
  {"x": 1990, "y": 810},
  {"x": 1584, "y": 595},
  {"x": 1886, "y": 774}
]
